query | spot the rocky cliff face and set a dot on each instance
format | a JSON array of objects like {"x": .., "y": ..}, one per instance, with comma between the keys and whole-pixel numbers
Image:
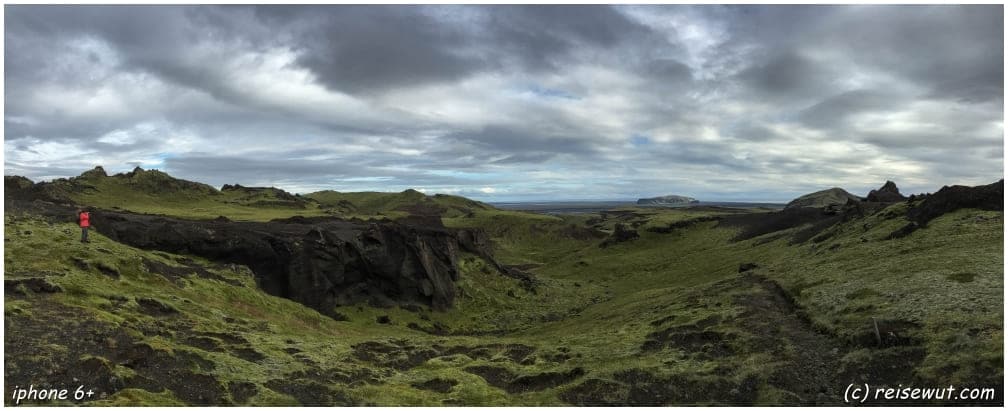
[
  {"x": 951, "y": 198},
  {"x": 667, "y": 200},
  {"x": 322, "y": 263}
]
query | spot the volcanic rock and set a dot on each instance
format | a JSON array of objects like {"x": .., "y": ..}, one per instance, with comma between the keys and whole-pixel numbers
[
  {"x": 319, "y": 263},
  {"x": 888, "y": 193},
  {"x": 951, "y": 198},
  {"x": 98, "y": 171}
]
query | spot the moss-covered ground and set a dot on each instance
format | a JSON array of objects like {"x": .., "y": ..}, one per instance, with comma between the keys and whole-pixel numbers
[{"x": 666, "y": 318}]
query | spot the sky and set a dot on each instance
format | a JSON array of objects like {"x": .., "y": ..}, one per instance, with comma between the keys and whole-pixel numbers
[{"x": 512, "y": 103}]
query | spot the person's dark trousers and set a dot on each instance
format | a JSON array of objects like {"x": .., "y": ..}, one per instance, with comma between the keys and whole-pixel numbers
[{"x": 83, "y": 236}]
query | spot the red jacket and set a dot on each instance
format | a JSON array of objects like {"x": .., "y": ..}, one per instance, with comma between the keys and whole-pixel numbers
[{"x": 85, "y": 219}]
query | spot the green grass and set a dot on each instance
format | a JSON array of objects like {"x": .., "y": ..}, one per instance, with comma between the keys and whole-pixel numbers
[
  {"x": 594, "y": 305},
  {"x": 154, "y": 192},
  {"x": 527, "y": 238},
  {"x": 394, "y": 204}
]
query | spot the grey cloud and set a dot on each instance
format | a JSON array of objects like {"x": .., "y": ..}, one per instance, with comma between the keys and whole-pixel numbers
[
  {"x": 669, "y": 70},
  {"x": 542, "y": 35},
  {"x": 786, "y": 74},
  {"x": 834, "y": 110},
  {"x": 522, "y": 145},
  {"x": 412, "y": 46},
  {"x": 752, "y": 73},
  {"x": 361, "y": 48},
  {"x": 294, "y": 166},
  {"x": 525, "y": 158}
]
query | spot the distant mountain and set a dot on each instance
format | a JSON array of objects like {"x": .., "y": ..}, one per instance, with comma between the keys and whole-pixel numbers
[
  {"x": 667, "y": 200},
  {"x": 835, "y": 196}
]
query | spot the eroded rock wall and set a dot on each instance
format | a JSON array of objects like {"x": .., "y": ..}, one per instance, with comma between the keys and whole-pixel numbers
[{"x": 320, "y": 263}]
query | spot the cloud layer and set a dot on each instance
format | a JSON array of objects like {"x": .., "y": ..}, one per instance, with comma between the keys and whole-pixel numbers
[{"x": 512, "y": 102}]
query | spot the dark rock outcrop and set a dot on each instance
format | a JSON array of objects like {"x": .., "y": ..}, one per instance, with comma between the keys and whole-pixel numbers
[
  {"x": 97, "y": 172},
  {"x": 320, "y": 263},
  {"x": 888, "y": 193},
  {"x": 950, "y": 198},
  {"x": 619, "y": 235},
  {"x": 815, "y": 220}
]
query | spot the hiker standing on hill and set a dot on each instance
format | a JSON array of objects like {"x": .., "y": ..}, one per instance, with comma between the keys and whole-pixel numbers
[{"x": 84, "y": 218}]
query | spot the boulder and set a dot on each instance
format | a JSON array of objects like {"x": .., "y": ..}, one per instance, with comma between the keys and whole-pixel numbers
[{"x": 888, "y": 193}]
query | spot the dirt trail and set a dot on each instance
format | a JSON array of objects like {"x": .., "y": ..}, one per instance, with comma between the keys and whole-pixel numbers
[
  {"x": 749, "y": 318},
  {"x": 777, "y": 324}
]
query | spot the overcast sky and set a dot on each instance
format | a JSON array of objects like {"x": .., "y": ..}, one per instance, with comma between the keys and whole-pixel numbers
[{"x": 506, "y": 103}]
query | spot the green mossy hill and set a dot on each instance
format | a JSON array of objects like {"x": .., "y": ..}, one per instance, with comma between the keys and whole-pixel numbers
[
  {"x": 156, "y": 192},
  {"x": 685, "y": 313},
  {"x": 152, "y": 182},
  {"x": 835, "y": 196},
  {"x": 409, "y": 202}
]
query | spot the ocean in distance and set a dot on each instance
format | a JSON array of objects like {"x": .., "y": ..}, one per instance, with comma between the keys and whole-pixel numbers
[{"x": 577, "y": 207}]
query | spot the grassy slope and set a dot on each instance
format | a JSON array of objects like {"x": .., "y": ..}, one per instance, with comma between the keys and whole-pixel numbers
[
  {"x": 145, "y": 192},
  {"x": 595, "y": 306},
  {"x": 393, "y": 204}
]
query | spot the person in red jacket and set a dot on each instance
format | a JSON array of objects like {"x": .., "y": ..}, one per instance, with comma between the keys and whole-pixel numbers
[{"x": 84, "y": 218}]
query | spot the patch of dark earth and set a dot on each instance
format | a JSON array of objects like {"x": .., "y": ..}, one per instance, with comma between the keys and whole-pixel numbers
[
  {"x": 154, "y": 307},
  {"x": 241, "y": 391},
  {"x": 33, "y": 355},
  {"x": 441, "y": 385},
  {"x": 679, "y": 225},
  {"x": 247, "y": 354},
  {"x": 189, "y": 268},
  {"x": 311, "y": 393},
  {"x": 402, "y": 354},
  {"x": 508, "y": 381},
  {"x": 26, "y": 286}
]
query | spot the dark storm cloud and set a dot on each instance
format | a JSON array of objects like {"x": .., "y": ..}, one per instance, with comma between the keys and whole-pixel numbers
[
  {"x": 502, "y": 139},
  {"x": 511, "y": 101},
  {"x": 542, "y": 35},
  {"x": 363, "y": 48},
  {"x": 955, "y": 52},
  {"x": 370, "y": 48},
  {"x": 786, "y": 74},
  {"x": 836, "y": 109}
]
